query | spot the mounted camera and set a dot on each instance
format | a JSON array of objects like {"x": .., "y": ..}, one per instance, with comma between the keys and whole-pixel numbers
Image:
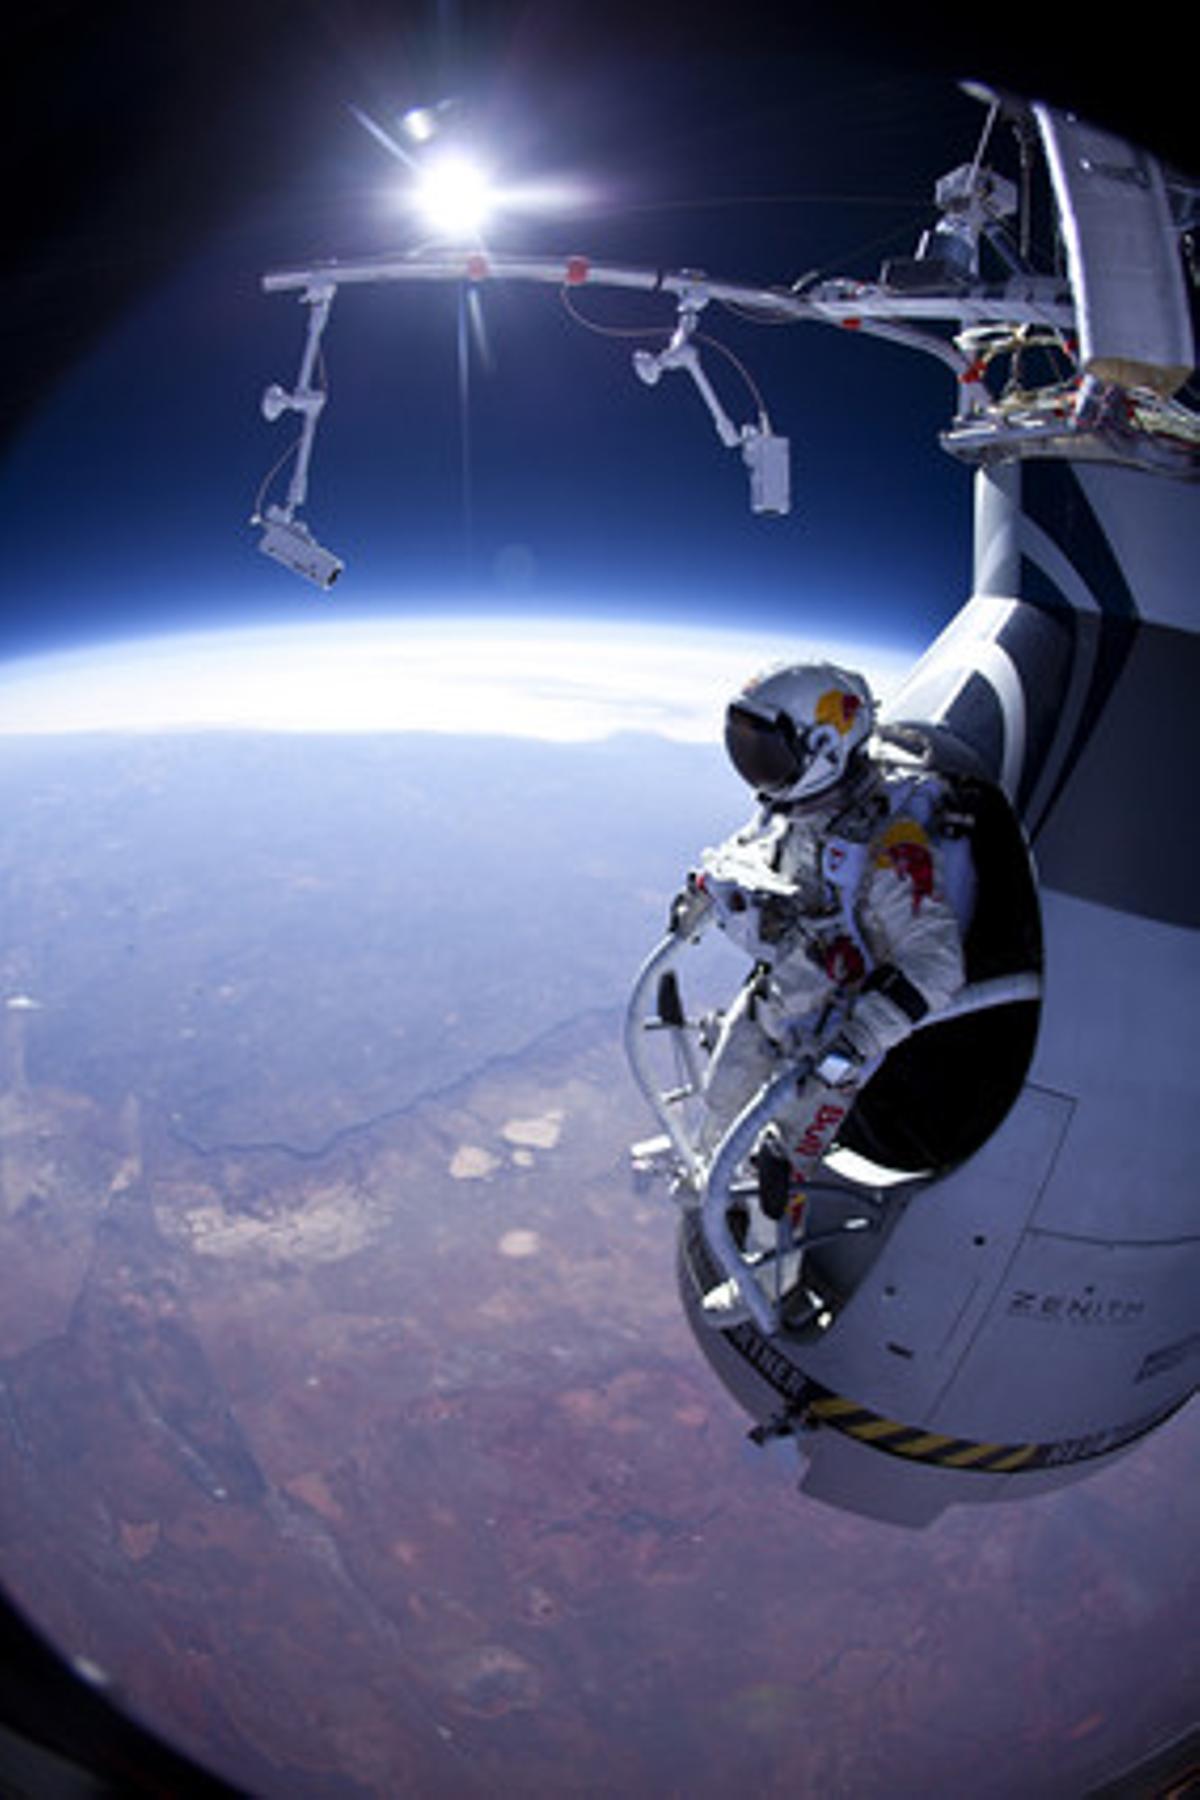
[{"x": 291, "y": 543}]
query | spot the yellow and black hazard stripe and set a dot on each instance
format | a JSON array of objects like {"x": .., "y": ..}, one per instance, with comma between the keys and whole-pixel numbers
[
  {"x": 919, "y": 1445},
  {"x": 809, "y": 1403}
]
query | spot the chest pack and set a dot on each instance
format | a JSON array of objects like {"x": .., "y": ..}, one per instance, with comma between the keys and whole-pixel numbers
[{"x": 918, "y": 818}]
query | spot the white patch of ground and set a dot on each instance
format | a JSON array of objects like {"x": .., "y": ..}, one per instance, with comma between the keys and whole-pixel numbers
[
  {"x": 471, "y": 1162},
  {"x": 331, "y": 1224},
  {"x": 540, "y": 1133},
  {"x": 520, "y": 1243}
]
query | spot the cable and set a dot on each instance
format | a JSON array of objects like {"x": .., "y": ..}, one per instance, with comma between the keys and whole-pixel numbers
[
  {"x": 659, "y": 331},
  {"x": 270, "y": 475},
  {"x": 610, "y": 331},
  {"x": 322, "y": 387},
  {"x": 713, "y": 343}
]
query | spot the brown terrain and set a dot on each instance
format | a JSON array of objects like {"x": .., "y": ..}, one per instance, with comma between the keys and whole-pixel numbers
[
  {"x": 391, "y": 1468},
  {"x": 350, "y": 1429}
]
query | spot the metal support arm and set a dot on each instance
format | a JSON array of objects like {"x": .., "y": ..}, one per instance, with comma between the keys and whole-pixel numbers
[
  {"x": 286, "y": 537},
  {"x": 305, "y": 398}
]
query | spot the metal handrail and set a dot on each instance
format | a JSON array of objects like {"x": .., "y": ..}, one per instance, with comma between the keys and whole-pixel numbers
[{"x": 712, "y": 1178}]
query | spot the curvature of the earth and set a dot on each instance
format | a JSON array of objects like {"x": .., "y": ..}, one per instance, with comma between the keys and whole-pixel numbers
[{"x": 348, "y": 1420}]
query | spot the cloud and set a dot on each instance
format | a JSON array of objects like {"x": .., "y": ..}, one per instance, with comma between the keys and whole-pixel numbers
[{"x": 556, "y": 681}]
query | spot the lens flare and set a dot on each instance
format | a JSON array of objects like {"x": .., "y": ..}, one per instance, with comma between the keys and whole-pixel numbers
[{"x": 454, "y": 196}]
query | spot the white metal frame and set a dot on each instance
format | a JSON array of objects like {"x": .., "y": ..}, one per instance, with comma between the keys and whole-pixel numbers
[
  {"x": 1114, "y": 321},
  {"x": 706, "y": 1181}
]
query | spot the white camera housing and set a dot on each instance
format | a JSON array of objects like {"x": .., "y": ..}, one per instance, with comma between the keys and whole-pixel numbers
[
  {"x": 769, "y": 461},
  {"x": 291, "y": 543}
]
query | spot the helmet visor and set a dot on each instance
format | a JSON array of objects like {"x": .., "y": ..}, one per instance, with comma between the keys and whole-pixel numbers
[{"x": 763, "y": 751}]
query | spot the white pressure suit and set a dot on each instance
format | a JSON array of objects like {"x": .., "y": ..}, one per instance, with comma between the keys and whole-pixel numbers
[{"x": 841, "y": 903}]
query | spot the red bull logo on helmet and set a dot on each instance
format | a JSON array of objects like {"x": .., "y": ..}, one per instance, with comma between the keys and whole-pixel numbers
[{"x": 838, "y": 708}]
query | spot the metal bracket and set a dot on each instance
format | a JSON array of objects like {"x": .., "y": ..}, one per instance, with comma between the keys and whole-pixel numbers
[
  {"x": 766, "y": 456},
  {"x": 285, "y": 537}
]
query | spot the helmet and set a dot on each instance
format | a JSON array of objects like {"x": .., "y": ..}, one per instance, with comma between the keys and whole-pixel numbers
[{"x": 793, "y": 731}]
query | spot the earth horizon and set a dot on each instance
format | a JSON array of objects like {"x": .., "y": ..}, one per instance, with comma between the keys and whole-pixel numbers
[{"x": 348, "y": 1418}]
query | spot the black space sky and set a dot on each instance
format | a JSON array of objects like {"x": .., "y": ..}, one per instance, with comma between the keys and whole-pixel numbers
[{"x": 159, "y": 159}]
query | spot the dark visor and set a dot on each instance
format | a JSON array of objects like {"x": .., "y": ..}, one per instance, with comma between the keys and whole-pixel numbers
[{"x": 763, "y": 751}]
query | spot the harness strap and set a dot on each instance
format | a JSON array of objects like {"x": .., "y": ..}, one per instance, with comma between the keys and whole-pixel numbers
[{"x": 893, "y": 983}]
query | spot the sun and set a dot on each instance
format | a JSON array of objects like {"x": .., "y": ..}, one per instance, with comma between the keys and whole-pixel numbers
[{"x": 454, "y": 196}]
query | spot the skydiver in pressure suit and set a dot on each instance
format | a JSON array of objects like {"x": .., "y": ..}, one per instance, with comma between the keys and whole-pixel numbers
[{"x": 835, "y": 890}]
